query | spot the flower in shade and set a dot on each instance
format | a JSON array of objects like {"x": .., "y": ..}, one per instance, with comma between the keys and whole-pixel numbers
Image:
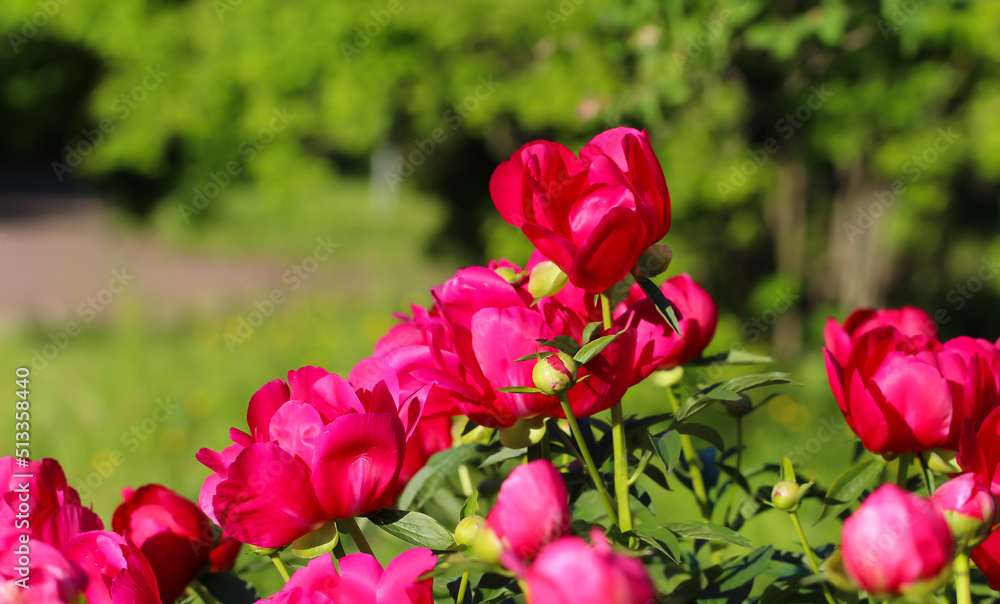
[
  {"x": 571, "y": 571},
  {"x": 532, "y": 509},
  {"x": 174, "y": 535},
  {"x": 896, "y": 542},
  {"x": 361, "y": 580},
  {"x": 335, "y": 446},
  {"x": 593, "y": 216},
  {"x": 908, "y": 320},
  {"x": 904, "y": 394}
]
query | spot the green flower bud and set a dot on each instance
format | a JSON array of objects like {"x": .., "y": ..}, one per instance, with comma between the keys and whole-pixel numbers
[
  {"x": 546, "y": 280},
  {"x": 654, "y": 261},
  {"x": 468, "y": 529},
  {"x": 555, "y": 373},
  {"x": 486, "y": 546},
  {"x": 785, "y": 496},
  {"x": 523, "y": 432},
  {"x": 740, "y": 407},
  {"x": 509, "y": 275},
  {"x": 668, "y": 377}
]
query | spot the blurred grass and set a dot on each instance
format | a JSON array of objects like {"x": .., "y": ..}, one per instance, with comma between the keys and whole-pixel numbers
[{"x": 96, "y": 401}]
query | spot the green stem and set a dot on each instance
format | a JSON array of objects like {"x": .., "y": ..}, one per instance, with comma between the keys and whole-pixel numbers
[
  {"x": 904, "y": 467},
  {"x": 465, "y": 479},
  {"x": 588, "y": 460},
  {"x": 963, "y": 587},
  {"x": 928, "y": 476},
  {"x": 694, "y": 469},
  {"x": 358, "y": 536},
  {"x": 739, "y": 462},
  {"x": 810, "y": 555},
  {"x": 639, "y": 469},
  {"x": 202, "y": 592},
  {"x": 462, "y": 587},
  {"x": 278, "y": 564},
  {"x": 618, "y": 442}
]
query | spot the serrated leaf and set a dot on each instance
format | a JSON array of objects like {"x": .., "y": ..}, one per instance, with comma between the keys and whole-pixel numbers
[
  {"x": 591, "y": 330},
  {"x": 503, "y": 455},
  {"x": 848, "y": 487},
  {"x": 413, "y": 528},
  {"x": 471, "y": 504},
  {"x": 728, "y": 390},
  {"x": 520, "y": 389},
  {"x": 665, "y": 307},
  {"x": 592, "y": 349},
  {"x": 668, "y": 447},
  {"x": 428, "y": 480},
  {"x": 708, "y": 531},
  {"x": 705, "y": 433}
]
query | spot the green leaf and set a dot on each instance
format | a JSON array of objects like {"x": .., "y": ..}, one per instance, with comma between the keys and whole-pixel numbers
[
  {"x": 228, "y": 588},
  {"x": 849, "y": 486},
  {"x": 519, "y": 389},
  {"x": 705, "y": 433},
  {"x": 562, "y": 343},
  {"x": 708, "y": 531},
  {"x": 787, "y": 470},
  {"x": 503, "y": 455},
  {"x": 733, "y": 357},
  {"x": 428, "y": 480},
  {"x": 535, "y": 356},
  {"x": 665, "y": 307},
  {"x": 736, "y": 579},
  {"x": 592, "y": 349},
  {"x": 413, "y": 528},
  {"x": 727, "y": 391},
  {"x": 591, "y": 330},
  {"x": 471, "y": 504},
  {"x": 668, "y": 447},
  {"x": 661, "y": 539}
]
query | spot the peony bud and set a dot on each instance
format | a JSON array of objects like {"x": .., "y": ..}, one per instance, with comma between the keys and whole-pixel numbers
[
  {"x": 654, "y": 261},
  {"x": 508, "y": 274},
  {"x": 555, "y": 373},
  {"x": 969, "y": 508},
  {"x": 740, "y": 406},
  {"x": 896, "y": 543},
  {"x": 785, "y": 496},
  {"x": 486, "y": 545},
  {"x": 468, "y": 529},
  {"x": 546, "y": 280}
]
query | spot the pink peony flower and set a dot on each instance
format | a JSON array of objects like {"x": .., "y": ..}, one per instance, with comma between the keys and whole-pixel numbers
[
  {"x": 908, "y": 320},
  {"x": 532, "y": 509}
]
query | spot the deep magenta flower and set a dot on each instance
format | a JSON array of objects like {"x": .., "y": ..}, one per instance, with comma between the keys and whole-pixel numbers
[
  {"x": 361, "y": 579},
  {"x": 656, "y": 345},
  {"x": 174, "y": 535},
  {"x": 335, "y": 446},
  {"x": 909, "y": 321},
  {"x": 532, "y": 509},
  {"x": 895, "y": 540},
  {"x": 118, "y": 572},
  {"x": 908, "y": 394},
  {"x": 968, "y": 506},
  {"x": 571, "y": 571},
  {"x": 593, "y": 216}
]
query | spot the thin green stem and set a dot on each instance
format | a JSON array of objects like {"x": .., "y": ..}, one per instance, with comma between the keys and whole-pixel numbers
[
  {"x": 639, "y": 469},
  {"x": 202, "y": 592},
  {"x": 465, "y": 479},
  {"x": 739, "y": 462},
  {"x": 588, "y": 460},
  {"x": 904, "y": 467},
  {"x": 606, "y": 310},
  {"x": 278, "y": 564},
  {"x": 358, "y": 536},
  {"x": 618, "y": 442},
  {"x": 694, "y": 469},
  {"x": 963, "y": 585},
  {"x": 464, "y": 585},
  {"x": 810, "y": 555},
  {"x": 928, "y": 476}
]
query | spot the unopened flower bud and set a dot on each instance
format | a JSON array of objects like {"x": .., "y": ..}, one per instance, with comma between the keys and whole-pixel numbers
[
  {"x": 486, "y": 545},
  {"x": 467, "y": 529},
  {"x": 523, "y": 432},
  {"x": 740, "y": 406},
  {"x": 509, "y": 275},
  {"x": 943, "y": 462},
  {"x": 546, "y": 280},
  {"x": 785, "y": 496},
  {"x": 653, "y": 262},
  {"x": 555, "y": 373},
  {"x": 969, "y": 508}
]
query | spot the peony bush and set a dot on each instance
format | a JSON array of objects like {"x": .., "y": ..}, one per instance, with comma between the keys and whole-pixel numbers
[{"x": 470, "y": 435}]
